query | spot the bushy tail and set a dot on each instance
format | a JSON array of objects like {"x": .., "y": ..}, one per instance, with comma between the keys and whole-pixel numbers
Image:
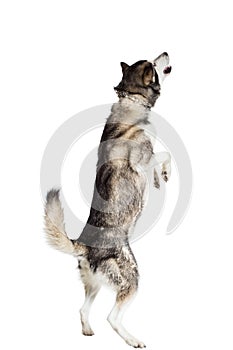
[{"x": 55, "y": 227}]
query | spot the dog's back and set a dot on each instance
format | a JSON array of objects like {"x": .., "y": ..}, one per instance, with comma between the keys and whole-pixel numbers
[{"x": 124, "y": 152}]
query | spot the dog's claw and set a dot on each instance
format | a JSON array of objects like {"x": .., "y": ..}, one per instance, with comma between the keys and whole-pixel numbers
[{"x": 141, "y": 346}]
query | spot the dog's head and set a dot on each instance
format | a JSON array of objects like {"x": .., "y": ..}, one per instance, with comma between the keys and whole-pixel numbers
[{"x": 144, "y": 78}]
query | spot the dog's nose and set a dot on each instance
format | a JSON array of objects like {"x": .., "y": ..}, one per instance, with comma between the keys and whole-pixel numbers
[
  {"x": 167, "y": 70},
  {"x": 165, "y": 54}
]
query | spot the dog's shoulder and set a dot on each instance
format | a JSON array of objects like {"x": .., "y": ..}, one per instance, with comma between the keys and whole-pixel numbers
[{"x": 124, "y": 122}]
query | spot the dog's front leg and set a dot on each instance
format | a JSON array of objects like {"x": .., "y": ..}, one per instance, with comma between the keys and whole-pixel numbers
[{"x": 162, "y": 159}]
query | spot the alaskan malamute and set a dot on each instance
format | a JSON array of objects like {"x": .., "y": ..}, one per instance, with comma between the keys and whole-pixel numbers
[{"x": 125, "y": 151}]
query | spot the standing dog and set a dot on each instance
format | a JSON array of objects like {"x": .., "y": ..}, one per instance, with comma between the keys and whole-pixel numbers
[{"x": 125, "y": 152}]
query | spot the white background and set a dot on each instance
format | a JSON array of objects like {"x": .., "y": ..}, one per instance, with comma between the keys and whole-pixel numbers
[{"x": 60, "y": 57}]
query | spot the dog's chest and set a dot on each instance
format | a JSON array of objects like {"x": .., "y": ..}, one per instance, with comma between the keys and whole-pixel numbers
[{"x": 141, "y": 148}]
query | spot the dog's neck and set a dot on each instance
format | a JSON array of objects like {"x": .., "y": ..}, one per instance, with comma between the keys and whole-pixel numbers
[
  {"x": 137, "y": 99},
  {"x": 128, "y": 111}
]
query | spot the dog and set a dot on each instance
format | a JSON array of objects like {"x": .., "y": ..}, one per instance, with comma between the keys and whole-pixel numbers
[{"x": 125, "y": 151}]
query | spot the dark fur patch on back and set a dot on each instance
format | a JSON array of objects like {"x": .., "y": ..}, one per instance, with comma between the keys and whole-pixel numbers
[{"x": 116, "y": 130}]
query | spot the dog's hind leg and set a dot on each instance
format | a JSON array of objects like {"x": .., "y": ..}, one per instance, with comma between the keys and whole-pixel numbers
[
  {"x": 123, "y": 275},
  {"x": 90, "y": 294},
  {"x": 115, "y": 317}
]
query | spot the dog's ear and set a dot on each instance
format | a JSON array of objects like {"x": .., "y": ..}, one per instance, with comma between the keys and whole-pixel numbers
[
  {"x": 148, "y": 75},
  {"x": 124, "y": 66}
]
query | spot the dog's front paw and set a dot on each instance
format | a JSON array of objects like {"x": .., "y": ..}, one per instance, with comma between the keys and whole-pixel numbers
[
  {"x": 156, "y": 180},
  {"x": 156, "y": 184},
  {"x": 165, "y": 175}
]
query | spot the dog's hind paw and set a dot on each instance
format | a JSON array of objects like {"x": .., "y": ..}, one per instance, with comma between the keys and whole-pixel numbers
[
  {"x": 88, "y": 332},
  {"x": 135, "y": 343}
]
